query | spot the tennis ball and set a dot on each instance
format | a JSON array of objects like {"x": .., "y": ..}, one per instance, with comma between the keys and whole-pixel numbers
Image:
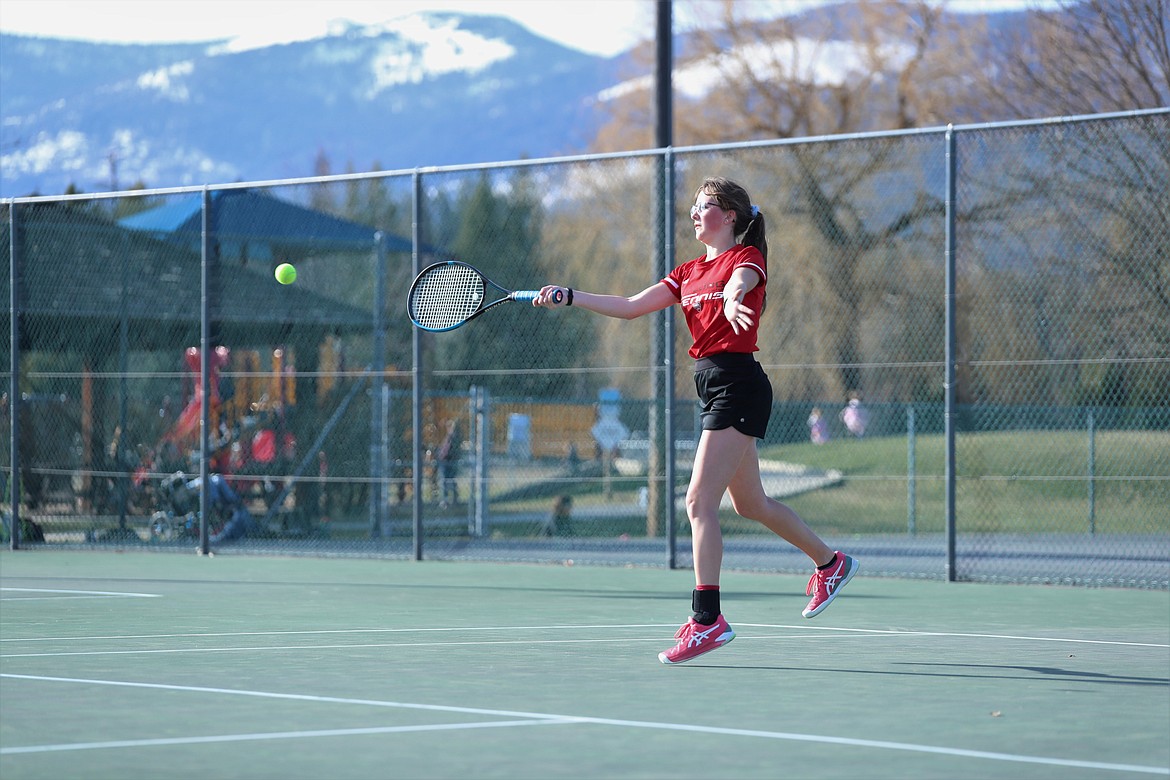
[{"x": 286, "y": 273}]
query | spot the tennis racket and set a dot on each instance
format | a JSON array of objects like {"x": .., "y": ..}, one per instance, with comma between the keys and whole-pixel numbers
[{"x": 449, "y": 294}]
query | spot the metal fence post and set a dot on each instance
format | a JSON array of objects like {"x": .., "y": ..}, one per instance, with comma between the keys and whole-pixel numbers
[
  {"x": 378, "y": 398},
  {"x": 416, "y": 377},
  {"x": 473, "y": 453},
  {"x": 14, "y": 400},
  {"x": 911, "y": 475},
  {"x": 483, "y": 451},
  {"x": 667, "y": 492},
  {"x": 1092, "y": 473},
  {"x": 208, "y": 241}
]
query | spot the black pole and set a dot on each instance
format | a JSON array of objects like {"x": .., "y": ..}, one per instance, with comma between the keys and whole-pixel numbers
[
  {"x": 950, "y": 378},
  {"x": 664, "y": 38},
  {"x": 662, "y": 342}
]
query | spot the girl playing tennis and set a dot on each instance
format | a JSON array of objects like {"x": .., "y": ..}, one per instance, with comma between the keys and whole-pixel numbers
[{"x": 722, "y": 297}]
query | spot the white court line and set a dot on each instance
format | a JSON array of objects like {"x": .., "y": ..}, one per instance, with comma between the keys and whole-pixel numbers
[
  {"x": 549, "y": 719},
  {"x": 814, "y": 632},
  {"x": 73, "y": 594},
  {"x": 310, "y": 632},
  {"x": 130, "y": 743},
  {"x": 901, "y": 632},
  {"x": 360, "y": 646}
]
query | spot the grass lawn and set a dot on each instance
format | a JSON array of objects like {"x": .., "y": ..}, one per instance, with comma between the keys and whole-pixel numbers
[
  {"x": 1008, "y": 482},
  {"x": 1015, "y": 481}
]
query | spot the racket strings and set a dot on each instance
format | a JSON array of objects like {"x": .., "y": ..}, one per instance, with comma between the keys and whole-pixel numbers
[{"x": 446, "y": 296}]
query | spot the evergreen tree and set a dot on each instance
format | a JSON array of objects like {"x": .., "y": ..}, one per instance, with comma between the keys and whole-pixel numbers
[{"x": 498, "y": 232}]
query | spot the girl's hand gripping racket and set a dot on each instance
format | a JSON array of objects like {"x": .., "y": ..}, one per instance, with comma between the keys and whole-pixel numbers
[{"x": 448, "y": 294}]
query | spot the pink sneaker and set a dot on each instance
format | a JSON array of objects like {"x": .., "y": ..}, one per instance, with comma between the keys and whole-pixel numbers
[
  {"x": 825, "y": 583},
  {"x": 694, "y": 639}
]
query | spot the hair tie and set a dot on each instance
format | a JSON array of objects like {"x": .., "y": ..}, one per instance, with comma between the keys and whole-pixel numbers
[{"x": 755, "y": 211}]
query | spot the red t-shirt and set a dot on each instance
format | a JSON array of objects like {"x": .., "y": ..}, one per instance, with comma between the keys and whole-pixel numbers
[{"x": 699, "y": 283}]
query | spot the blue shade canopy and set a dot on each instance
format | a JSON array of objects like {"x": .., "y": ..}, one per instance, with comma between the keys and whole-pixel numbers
[
  {"x": 258, "y": 222},
  {"x": 83, "y": 277}
]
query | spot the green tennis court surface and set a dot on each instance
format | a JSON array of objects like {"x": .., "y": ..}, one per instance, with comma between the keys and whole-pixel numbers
[{"x": 174, "y": 666}]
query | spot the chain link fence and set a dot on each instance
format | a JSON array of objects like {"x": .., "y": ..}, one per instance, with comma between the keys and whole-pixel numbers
[{"x": 164, "y": 392}]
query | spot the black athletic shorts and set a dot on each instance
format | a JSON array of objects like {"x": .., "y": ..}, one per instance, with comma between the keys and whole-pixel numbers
[{"x": 734, "y": 392}]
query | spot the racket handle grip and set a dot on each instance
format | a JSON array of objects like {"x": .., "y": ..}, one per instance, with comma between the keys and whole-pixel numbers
[{"x": 528, "y": 296}]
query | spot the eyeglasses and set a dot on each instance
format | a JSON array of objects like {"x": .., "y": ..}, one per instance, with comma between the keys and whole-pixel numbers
[{"x": 699, "y": 208}]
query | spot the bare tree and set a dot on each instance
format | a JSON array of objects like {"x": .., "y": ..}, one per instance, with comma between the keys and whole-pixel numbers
[
  {"x": 870, "y": 65},
  {"x": 851, "y": 67},
  {"x": 1086, "y": 57},
  {"x": 895, "y": 64},
  {"x": 888, "y": 65},
  {"x": 1101, "y": 184}
]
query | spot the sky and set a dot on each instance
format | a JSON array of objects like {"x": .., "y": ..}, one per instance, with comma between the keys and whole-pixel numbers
[
  {"x": 597, "y": 26},
  {"x": 603, "y": 27}
]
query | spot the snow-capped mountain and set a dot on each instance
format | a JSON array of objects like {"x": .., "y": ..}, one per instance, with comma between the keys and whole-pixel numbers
[{"x": 428, "y": 89}]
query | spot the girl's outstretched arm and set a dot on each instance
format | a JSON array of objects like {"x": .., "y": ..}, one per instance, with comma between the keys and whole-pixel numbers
[{"x": 653, "y": 298}]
